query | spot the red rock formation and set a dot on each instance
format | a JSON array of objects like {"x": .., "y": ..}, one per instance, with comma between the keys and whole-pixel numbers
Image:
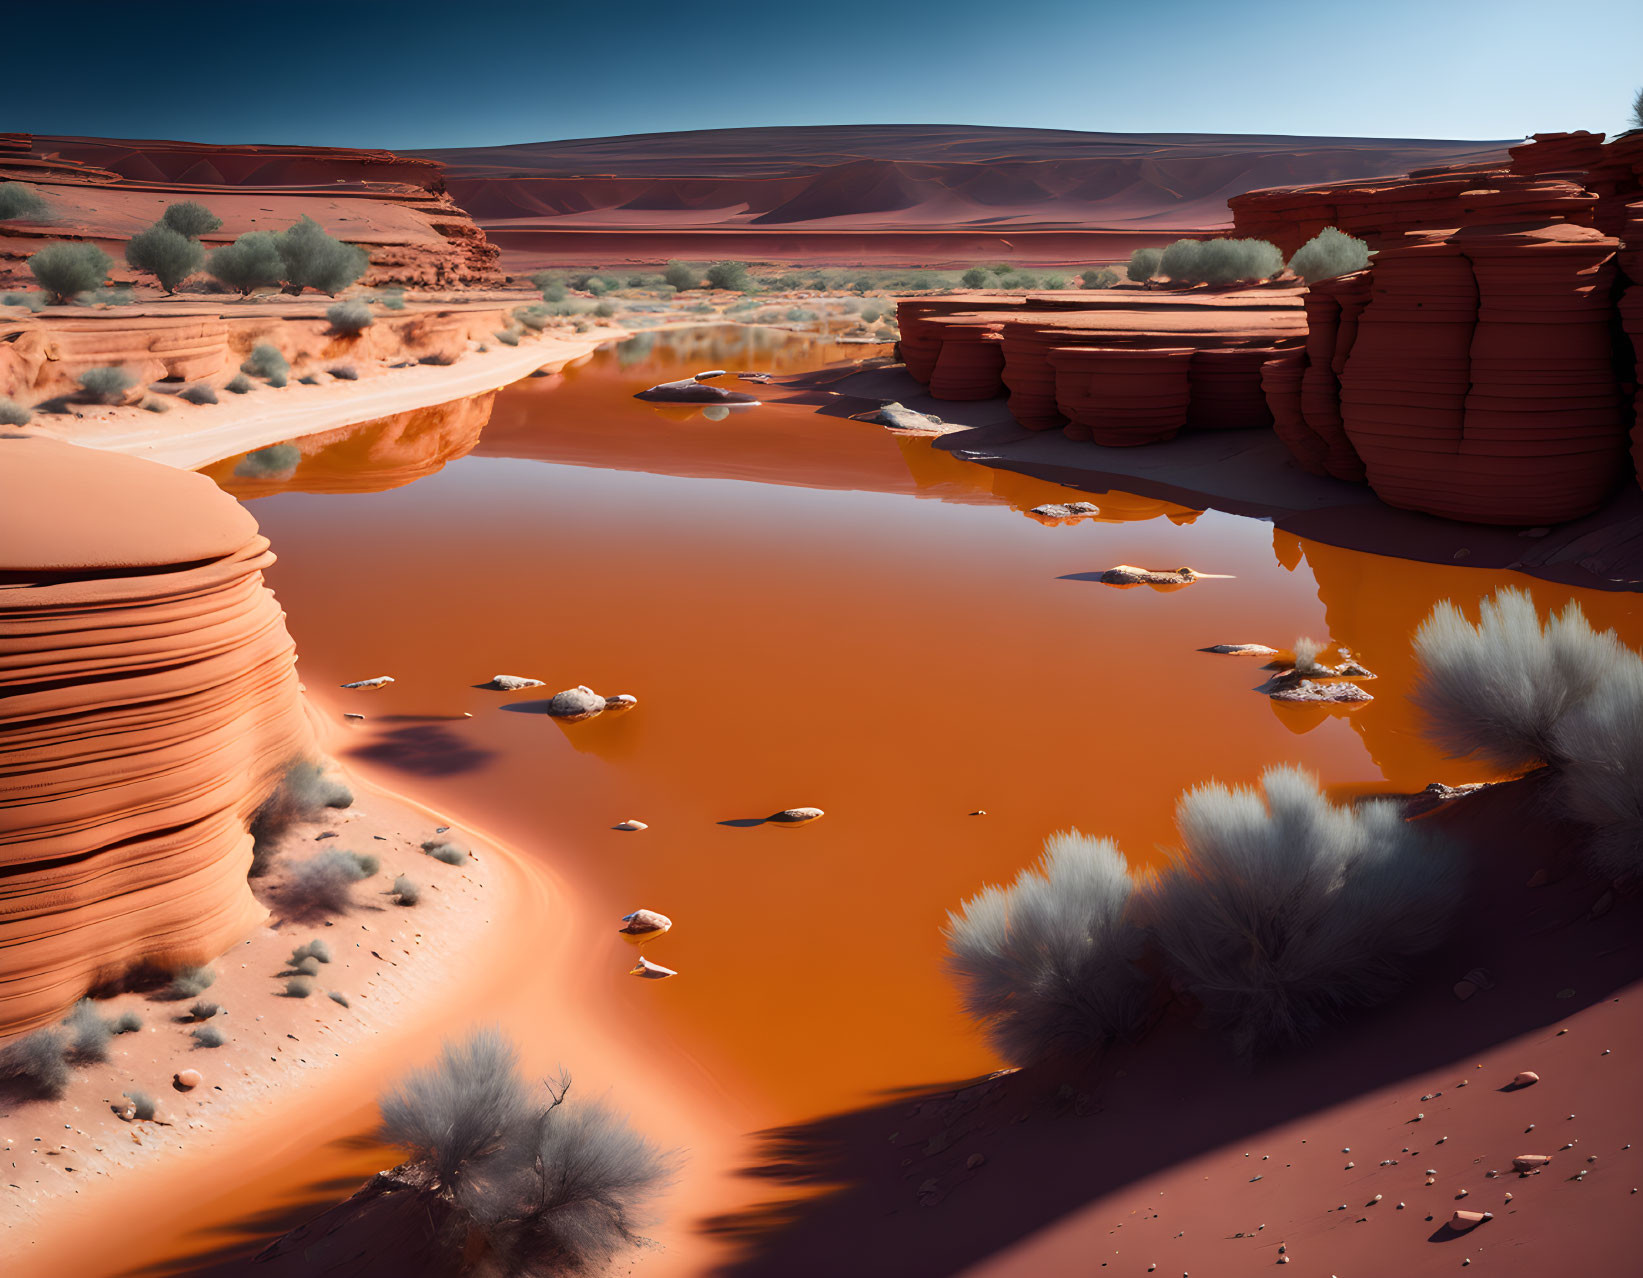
[
  {"x": 1333, "y": 308},
  {"x": 1122, "y": 397},
  {"x": 150, "y": 699},
  {"x": 107, "y": 189},
  {"x": 1281, "y": 378}
]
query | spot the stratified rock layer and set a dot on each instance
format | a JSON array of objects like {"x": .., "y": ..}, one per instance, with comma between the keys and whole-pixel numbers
[{"x": 148, "y": 700}]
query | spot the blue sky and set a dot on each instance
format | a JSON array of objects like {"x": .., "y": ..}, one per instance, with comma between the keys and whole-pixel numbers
[{"x": 441, "y": 74}]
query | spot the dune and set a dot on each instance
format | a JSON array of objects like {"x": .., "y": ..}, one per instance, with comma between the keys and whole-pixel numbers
[{"x": 151, "y": 702}]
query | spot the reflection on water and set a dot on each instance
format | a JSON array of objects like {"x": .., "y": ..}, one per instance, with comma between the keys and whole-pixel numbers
[{"x": 799, "y": 633}]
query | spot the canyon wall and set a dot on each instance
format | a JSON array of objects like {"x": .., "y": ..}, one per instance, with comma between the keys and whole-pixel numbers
[
  {"x": 148, "y": 702},
  {"x": 107, "y": 189}
]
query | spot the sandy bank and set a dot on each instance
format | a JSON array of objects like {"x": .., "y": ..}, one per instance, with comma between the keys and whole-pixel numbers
[{"x": 238, "y": 424}]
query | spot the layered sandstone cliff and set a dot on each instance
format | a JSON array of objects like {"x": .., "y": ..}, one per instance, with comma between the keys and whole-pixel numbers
[{"x": 148, "y": 702}]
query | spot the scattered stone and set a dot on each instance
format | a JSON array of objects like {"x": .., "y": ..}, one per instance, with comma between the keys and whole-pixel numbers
[
  {"x": 1525, "y": 1078},
  {"x": 512, "y": 683},
  {"x": 983, "y": 812},
  {"x": 1241, "y": 650},
  {"x": 621, "y": 703},
  {"x": 1130, "y": 575},
  {"x": 645, "y": 923},
  {"x": 651, "y": 971},
  {"x": 796, "y": 816},
  {"x": 376, "y": 681},
  {"x": 187, "y": 1079},
  {"x": 347, "y": 715},
  {"x": 1529, "y": 1162},
  {"x": 1462, "y": 1221},
  {"x": 632, "y": 825},
  {"x": 576, "y": 704}
]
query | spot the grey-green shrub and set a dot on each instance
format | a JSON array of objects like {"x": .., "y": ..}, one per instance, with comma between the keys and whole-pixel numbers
[
  {"x": 266, "y": 361},
  {"x": 1048, "y": 964},
  {"x": 325, "y": 882},
  {"x": 1143, "y": 265},
  {"x": 1280, "y": 912},
  {"x": 198, "y": 393},
  {"x": 38, "y": 1062},
  {"x": 106, "y": 385},
  {"x": 126, "y": 1023},
  {"x": 1220, "y": 261},
  {"x": 1103, "y": 278},
  {"x": 316, "y": 949},
  {"x": 405, "y": 892},
  {"x": 143, "y": 1104},
  {"x": 535, "y": 317},
  {"x": 18, "y": 201},
  {"x": 207, "y": 1036},
  {"x": 446, "y": 851},
  {"x": 34, "y": 300},
  {"x": 155, "y": 406},
  {"x": 251, "y": 262},
  {"x": 298, "y": 987},
  {"x": 191, "y": 219},
  {"x": 315, "y": 259},
  {"x": 1329, "y": 253},
  {"x": 64, "y": 269},
  {"x": 730, "y": 275},
  {"x": 191, "y": 982},
  {"x": 239, "y": 384},
  {"x": 507, "y": 336},
  {"x": 167, "y": 255},
  {"x": 338, "y": 997},
  {"x": 682, "y": 276},
  {"x": 304, "y": 792},
  {"x": 392, "y": 299},
  {"x": 14, "y": 414},
  {"x": 976, "y": 277},
  {"x": 203, "y": 1010},
  {"x": 604, "y": 310},
  {"x": 350, "y": 318},
  {"x": 88, "y": 1032}
]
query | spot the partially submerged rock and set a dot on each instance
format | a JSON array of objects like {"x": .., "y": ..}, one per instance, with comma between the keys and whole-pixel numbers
[
  {"x": 1242, "y": 650},
  {"x": 512, "y": 683},
  {"x": 631, "y": 825},
  {"x": 897, "y": 416},
  {"x": 1130, "y": 575},
  {"x": 692, "y": 391},
  {"x": 376, "y": 681},
  {"x": 644, "y": 922},
  {"x": 621, "y": 703},
  {"x": 1066, "y": 510},
  {"x": 649, "y": 971},
  {"x": 1311, "y": 691},
  {"x": 573, "y": 705},
  {"x": 796, "y": 816},
  {"x": 1445, "y": 793}
]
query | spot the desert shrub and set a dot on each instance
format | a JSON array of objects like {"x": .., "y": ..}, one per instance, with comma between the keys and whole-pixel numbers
[
  {"x": 303, "y": 791},
  {"x": 405, "y": 892},
  {"x": 38, "y": 1062},
  {"x": 274, "y": 462},
  {"x": 14, "y": 414},
  {"x": 20, "y": 201},
  {"x": 446, "y": 851},
  {"x": 1306, "y": 655},
  {"x": 870, "y": 314},
  {"x": 306, "y": 966},
  {"x": 106, "y": 385},
  {"x": 198, "y": 393},
  {"x": 143, "y": 1104},
  {"x": 1103, "y": 278},
  {"x": 799, "y": 315},
  {"x": 598, "y": 287},
  {"x": 203, "y": 1010},
  {"x": 325, "y": 882},
  {"x": 126, "y": 1023},
  {"x": 885, "y": 333},
  {"x": 1220, "y": 261},
  {"x": 207, "y": 1036},
  {"x": 1048, "y": 964},
  {"x": 298, "y": 987},
  {"x": 535, "y": 318},
  {"x": 976, "y": 277},
  {"x": 392, "y": 299},
  {"x": 1143, "y": 265},
  {"x": 350, "y": 318},
  {"x": 730, "y": 275},
  {"x": 338, "y": 997},
  {"x": 1055, "y": 281},
  {"x": 239, "y": 384},
  {"x": 507, "y": 336},
  {"x": 191, "y": 982},
  {"x": 314, "y": 259},
  {"x": 1327, "y": 254},
  {"x": 63, "y": 270},
  {"x": 542, "y": 281},
  {"x": 604, "y": 310},
  {"x": 682, "y": 276},
  {"x": 315, "y": 949},
  {"x": 34, "y": 300},
  {"x": 167, "y": 255},
  {"x": 120, "y": 296},
  {"x": 190, "y": 219},
  {"x": 344, "y": 372},
  {"x": 251, "y": 262},
  {"x": 88, "y": 1032},
  {"x": 1599, "y": 743},
  {"x": 266, "y": 361},
  {"x": 155, "y": 406},
  {"x": 1498, "y": 689},
  {"x": 1281, "y": 910}
]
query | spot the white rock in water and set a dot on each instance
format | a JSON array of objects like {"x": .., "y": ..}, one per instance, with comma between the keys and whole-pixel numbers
[
  {"x": 620, "y": 703},
  {"x": 576, "y": 704},
  {"x": 712, "y": 372},
  {"x": 1322, "y": 693},
  {"x": 350, "y": 715},
  {"x": 796, "y": 816},
  {"x": 632, "y": 825},
  {"x": 645, "y": 921},
  {"x": 651, "y": 971},
  {"x": 1130, "y": 575},
  {"x": 1067, "y": 510},
  {"x": 1243, "y": 650},
  {"x": 376, "y": 682},
  {"x": 513, "y": 683}
]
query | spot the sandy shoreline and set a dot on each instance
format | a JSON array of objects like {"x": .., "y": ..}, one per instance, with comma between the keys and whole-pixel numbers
[{"x": 239, "y": 424}]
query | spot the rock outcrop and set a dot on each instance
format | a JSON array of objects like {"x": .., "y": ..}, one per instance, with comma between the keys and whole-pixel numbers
[{"x": 148, "y": 702}]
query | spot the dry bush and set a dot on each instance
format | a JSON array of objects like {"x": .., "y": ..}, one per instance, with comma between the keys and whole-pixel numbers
[
  {"x": 88, "y": 1032},
  {"x": 1599, "y": 742},
  {"x": 325, "y": 883},
  {"x": 191, "y": 982},
  {"x": 207, "y": 1036},
  {"x": 1329, "y": 253},
  {"x": 38, "y": 1062},
  {"x": 1047, "y": 964},
  {"x": 405, "y": 892},
  {"x": 1281, "y": 910},
  {"x": 304, "y": 792}
]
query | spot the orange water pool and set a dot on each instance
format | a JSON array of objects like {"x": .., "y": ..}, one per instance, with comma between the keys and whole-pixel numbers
[{"x": 811, "y": 612}]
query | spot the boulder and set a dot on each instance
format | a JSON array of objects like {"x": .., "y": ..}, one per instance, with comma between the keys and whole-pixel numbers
[
  {"x": 691, "y": 391},
  {"x": 632, "y": 826},
  {"x": 1311, "y": 691},
  {"x": 795, "y": 816},
  {"x": 576, "y": 704},
  {"x": 187, "y": 1080},
  {"x": 645, "y": 922},
  {"x": 1462, "y": 1221},
  {"x": 512, "y": 683}
]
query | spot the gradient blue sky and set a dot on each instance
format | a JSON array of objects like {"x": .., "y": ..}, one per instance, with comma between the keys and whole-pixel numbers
[{"x": 443, "y": 74}]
